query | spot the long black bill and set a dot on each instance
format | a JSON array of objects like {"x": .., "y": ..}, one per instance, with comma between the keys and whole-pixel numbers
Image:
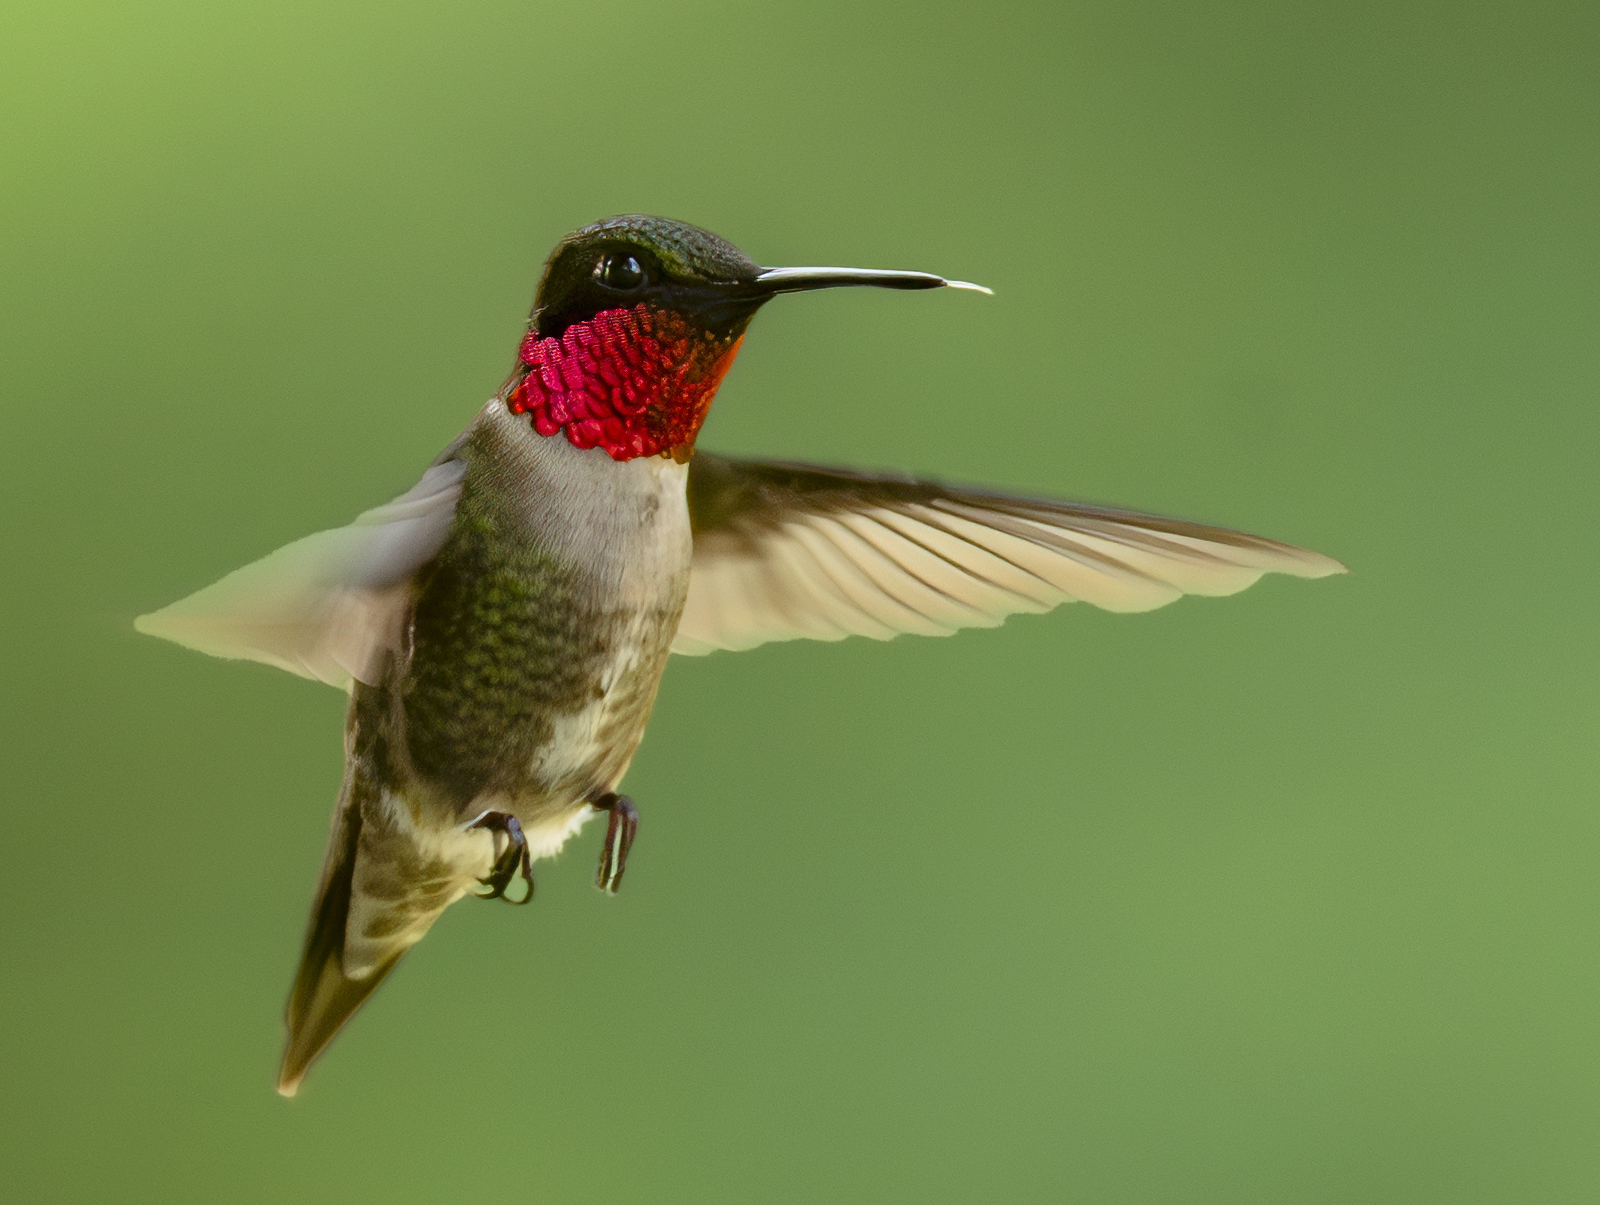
[{"x": 795, "y": 280}]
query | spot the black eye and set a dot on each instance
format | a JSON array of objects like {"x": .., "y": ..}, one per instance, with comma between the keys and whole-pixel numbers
[{"x": 619, "y": 272}]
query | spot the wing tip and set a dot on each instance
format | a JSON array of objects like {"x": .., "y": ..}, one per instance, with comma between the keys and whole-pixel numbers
[
  {"x": 157, "y": 624},
  {"x": 1312, "y": 565},
  {"x": 186, "y": 631},
  {"x": 186, "y": 624}
]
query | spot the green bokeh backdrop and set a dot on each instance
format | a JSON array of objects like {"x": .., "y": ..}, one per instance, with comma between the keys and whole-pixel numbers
[{"x": 1284, "y": 897}]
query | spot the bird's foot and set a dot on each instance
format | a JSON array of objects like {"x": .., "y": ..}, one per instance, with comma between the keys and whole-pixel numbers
[
  {"x": 510, "y": 859},
  {"x": 623, "y": 824}
]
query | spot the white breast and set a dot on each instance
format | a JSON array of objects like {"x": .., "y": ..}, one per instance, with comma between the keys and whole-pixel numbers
[{"x": 627, "y": 524}]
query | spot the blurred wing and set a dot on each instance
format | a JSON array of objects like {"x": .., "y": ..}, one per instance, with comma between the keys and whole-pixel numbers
[
  {"x": 784, "y": 551},
  {"x": 328, "y": 606}
]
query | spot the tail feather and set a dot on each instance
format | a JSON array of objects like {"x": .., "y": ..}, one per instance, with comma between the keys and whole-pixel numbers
[
  {"x": 324, "y": 1000},
  {"x": 323, "y": 997},
  {"x": 383, "y": 885}
]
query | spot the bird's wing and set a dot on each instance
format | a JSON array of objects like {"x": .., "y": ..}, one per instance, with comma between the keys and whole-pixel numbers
[
  {"x": 328, "y": 606},
  {"x": 784, "y": 551}
]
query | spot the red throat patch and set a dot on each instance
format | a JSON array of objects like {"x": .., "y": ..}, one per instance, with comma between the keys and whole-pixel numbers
[{"x": 635, "y": 382}]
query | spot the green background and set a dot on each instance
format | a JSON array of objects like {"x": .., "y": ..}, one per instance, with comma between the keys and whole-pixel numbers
[{"x": 1289, "y": 897}]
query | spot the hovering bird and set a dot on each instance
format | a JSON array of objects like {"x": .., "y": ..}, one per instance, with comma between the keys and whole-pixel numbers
[{"x": 502, "y": 626}]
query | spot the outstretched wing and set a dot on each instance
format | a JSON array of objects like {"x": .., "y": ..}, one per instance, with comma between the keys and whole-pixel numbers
[
  {"x": 784, "y": 551},
  {"x": 327, "y": 606}
]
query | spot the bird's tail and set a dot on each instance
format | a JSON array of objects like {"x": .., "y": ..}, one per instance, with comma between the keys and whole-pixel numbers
[{"x": 382, "y": 888}]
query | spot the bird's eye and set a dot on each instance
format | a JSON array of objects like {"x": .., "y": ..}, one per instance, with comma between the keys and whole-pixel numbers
[{"x": 619, "y": 272}]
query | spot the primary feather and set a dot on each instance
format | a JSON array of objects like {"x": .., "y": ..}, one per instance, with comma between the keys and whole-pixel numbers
[
  {"x": 327, "y": 606},
  {"x": 787, "y": 551}
]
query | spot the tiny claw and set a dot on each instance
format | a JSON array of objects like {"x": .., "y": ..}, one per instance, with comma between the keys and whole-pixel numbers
[
  {"x": 513, "y": 858},
  {"x": 624, "y": 823}
]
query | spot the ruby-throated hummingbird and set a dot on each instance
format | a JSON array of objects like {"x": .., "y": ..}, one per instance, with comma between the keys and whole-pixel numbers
[{"x": 502, "y": 627}]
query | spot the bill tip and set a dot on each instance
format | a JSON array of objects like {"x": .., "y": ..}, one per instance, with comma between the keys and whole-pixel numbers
[{"x": 967, "y": 284}]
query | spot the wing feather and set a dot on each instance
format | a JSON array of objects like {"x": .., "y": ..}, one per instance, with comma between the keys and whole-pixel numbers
[
  {"x": 885, "y": 613},
  {"x": 328, "y": 606},
  {"x": 790, "y": 551},
  {"x": 908, "y": 582}
]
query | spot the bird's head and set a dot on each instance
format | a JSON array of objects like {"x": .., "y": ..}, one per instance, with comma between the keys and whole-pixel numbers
[{"x": 635, "y": 323}]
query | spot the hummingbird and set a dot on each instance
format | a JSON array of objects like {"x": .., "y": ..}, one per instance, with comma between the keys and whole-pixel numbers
[{"x": 502, "y": 627}]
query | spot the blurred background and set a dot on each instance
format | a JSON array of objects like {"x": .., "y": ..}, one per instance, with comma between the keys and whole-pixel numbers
[{"x": 1284, "y": 897}]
